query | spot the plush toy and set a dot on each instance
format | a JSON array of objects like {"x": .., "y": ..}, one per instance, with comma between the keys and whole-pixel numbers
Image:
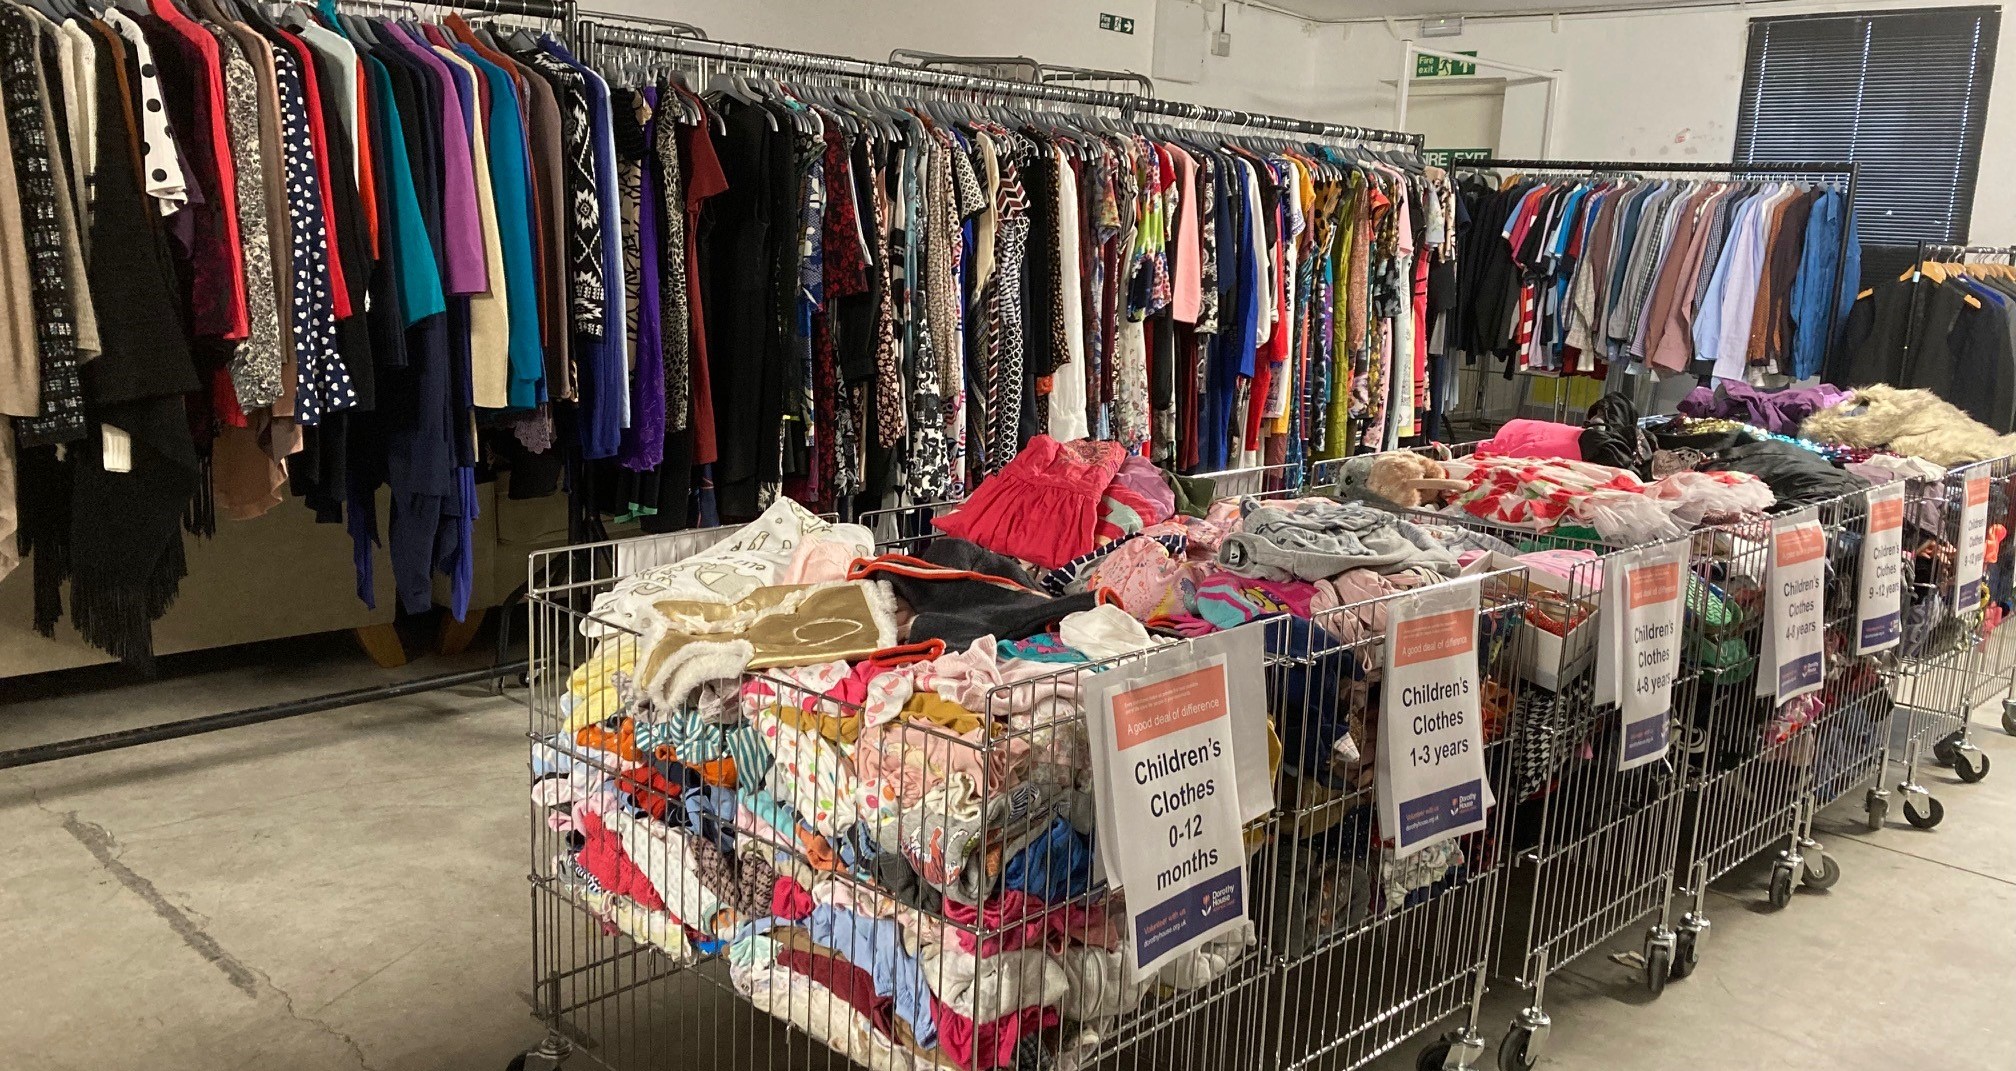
[{"x": 1399, "y": 479}]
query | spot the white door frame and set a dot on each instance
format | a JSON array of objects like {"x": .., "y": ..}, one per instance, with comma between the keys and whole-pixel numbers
[{"x": 1553, "y": 79}]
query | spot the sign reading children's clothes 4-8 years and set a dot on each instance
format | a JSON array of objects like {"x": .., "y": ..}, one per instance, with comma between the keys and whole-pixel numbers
[
  {"x": 1169, "y": 789},
  {"x": 1430, "y": 758}
]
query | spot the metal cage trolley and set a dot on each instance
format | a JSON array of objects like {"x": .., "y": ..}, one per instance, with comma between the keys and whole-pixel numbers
[
  {"x": 1374, "y": 947},
  {"x": 1942, "y": 662},
  {"x": 1590, "y": 846},
  {"x": 785, "y": 871},
  {"x": 1990, "y": 669},
  {"x": 1758, "y": 770}
]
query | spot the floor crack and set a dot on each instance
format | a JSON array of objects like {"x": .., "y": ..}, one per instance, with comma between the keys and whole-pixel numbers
[
  {"x": 248, "y": 979},
  {"x": 287, "y": 1002}
]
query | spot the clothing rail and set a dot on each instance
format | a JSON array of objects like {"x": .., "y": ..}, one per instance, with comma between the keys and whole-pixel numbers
[
  {"x": 1038, "y": 70},
  {"x": 681, "y": 39},
  {"x": 1675, "y": 166},
  {"x": 562, "y": 11},
  {"x": 1908, "y": 361},
  {"x": 593, "y": 32},
  {"x": 1832, "y": 168}
]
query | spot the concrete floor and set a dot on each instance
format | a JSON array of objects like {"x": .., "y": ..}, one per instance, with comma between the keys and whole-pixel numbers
[{"x": 346, "y": 891}]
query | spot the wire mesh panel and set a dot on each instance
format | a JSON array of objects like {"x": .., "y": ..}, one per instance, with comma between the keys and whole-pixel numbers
[
  {"x": 1744, "y": 778},
  {"x": 905, "y": 891},
  {"x": 1852, "y": 713},
  {"x": 1591, "y": 846},
  {"x": 1372, "y": 947},
  {"x": 1990, "y": 672},
  {"x": 1943, "y": 660}
]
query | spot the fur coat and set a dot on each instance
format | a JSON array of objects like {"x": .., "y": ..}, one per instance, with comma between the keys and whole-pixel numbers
[{"x": 1914, "y": 422}]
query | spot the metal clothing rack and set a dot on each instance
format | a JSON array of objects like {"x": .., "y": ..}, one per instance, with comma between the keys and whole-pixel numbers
[
  {"x": 677, "y": 38},
  {"x": 563, "y": 12},
  {"x": 1038, "y": 71},
  {"x": 1815, "y": 168},
  {"x": 1907, "y": 362},
  {"x": 594, "y": 31}
]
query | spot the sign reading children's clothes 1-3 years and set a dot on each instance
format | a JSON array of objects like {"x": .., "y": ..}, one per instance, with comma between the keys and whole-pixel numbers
[
  {"x": 1430, "y": 759},
  {"x": 1168, "y": 788}
]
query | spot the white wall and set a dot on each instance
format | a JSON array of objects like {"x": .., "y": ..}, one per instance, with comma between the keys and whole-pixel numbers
[
  {"x": 1649, "y": 85},
  {"x": 1271, "y": 68},
  {"x": 1655, "y": 85}
]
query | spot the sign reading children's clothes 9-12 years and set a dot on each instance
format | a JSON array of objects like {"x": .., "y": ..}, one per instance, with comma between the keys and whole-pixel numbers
[
  {"x": 1430, "y": 759},
  {"x": 1971, "y": 563},
  {"x": 1169, "y": 784},
  {"x": 1879, "y": 604},
  {"x": 1641, "y": 645},
  {"x": 1794, "y": 656}
]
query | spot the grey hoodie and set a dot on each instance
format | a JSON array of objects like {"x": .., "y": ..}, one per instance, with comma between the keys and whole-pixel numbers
[{"x": 1317, "y": 538}]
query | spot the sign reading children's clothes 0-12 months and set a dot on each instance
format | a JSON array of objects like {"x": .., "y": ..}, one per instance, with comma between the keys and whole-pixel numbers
[
  {"x": 1430, "y": 758},
  {"x": 1879, "y": 605},
  {"x": 1169, "y": 788},
  {"x": 1971, "y": 563},
  {"x": 1794, "y": 661},
  {"x": 1640, "y": 647}
]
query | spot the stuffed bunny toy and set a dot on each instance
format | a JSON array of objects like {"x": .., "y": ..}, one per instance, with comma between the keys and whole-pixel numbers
[{"x": 1399, "y": 479}]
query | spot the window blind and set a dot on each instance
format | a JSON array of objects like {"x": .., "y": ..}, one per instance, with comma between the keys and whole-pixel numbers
[{"x": 1903, "y": 94}]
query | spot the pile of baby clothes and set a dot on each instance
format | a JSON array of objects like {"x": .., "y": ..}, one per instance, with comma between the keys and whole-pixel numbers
[{"x": 863, "y": 781}]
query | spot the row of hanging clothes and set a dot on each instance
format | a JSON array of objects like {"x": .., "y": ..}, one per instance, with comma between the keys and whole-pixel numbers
[
  {"x": 924, "y": 272},
  {"x": 1947, "y": 325},
  {"x": 255, "y": 253},
  {"x": 1611, "y": 270},
  {"x": 361, "y": 256}
]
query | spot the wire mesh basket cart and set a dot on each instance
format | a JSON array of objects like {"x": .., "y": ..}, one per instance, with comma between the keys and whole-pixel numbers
[
  {"x": 1372, "y": 948},
  {"x": 1944, "y": 661},
  {"x": 683, "y": 920},
  {"x": 918, "y": 890},
  {"x": 1990, "y": 668},
  {"x": 1591, "y": 847}
]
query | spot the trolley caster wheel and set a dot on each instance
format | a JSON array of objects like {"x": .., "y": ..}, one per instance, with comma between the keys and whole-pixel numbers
[
  {"x": 1947, "y": 751},
  {"x": 1433, "y": 1058},
  {"x": 1824, "y": 876},
  {"x": 517, "y": 1063},
  {"x": 1658, "y": 968},
  {"x": 1965, "y": 767},
  {"x": 1516, "y": 1053},
  {"x": 1686, "y": 954},
  {"x": 1929, "y": 818},
  {"x": 1781, "y": 885},
  {"x": 1878, "y": 808},
  {"x": 2009, "y": 716}
]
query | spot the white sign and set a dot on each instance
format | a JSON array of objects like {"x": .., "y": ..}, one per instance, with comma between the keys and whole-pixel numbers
[
  {"x": 1167, "y": 788},
  {"x": 1245, "y": 651},
  {"x": 1972, "y": 561},
  {"x": 1639, "y": 652},
  {"x": 1430, "y": 759},
  {"x": 1794, "y": 659},
  {"x": 1879, "y": 603}
]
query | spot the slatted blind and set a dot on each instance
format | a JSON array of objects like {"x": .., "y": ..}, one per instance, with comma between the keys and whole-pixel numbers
[{"x": 1903, "y": 94}]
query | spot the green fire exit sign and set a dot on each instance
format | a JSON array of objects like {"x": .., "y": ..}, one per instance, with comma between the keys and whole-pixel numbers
[
  {"x": 1116, "y": 23},
  {"x": 1426, "y": 66}
]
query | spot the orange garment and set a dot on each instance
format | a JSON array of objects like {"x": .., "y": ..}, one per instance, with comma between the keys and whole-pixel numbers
[
  {"x": 620, "y": 741},
  {"x": 719, "y": 772}
]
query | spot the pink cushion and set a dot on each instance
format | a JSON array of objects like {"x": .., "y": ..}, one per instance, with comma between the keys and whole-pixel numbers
[{"x": 1535, "y": 438}]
